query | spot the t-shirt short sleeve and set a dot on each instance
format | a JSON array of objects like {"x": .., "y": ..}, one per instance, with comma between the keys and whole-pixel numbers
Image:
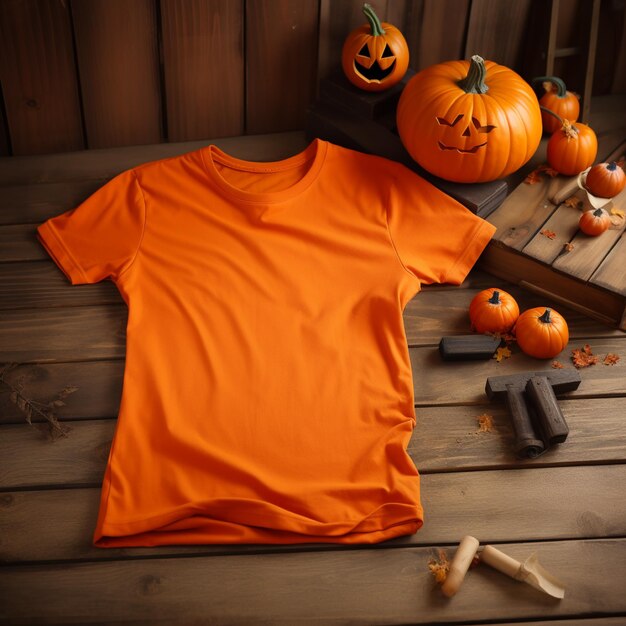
[
  {"x": 437, "y": 239},
  {"x": 99, "y": 238}
]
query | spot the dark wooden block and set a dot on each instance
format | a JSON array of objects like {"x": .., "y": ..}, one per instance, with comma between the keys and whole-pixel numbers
[
  {"x": 338, "y": 90},
  {"x": 468, "y": 347}
]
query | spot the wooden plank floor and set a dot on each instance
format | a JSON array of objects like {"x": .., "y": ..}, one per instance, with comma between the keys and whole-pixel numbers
[{"x": 567, "y": 505}]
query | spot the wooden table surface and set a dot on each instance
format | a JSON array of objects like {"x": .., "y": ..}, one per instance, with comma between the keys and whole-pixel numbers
[{"x": 568, "y": 505}]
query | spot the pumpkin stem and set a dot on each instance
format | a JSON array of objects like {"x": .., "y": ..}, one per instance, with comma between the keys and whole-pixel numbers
[
  {"x": 566, "y": 126},
  {"x": 545, "y": 318},
  {"x": 561, "y": 90},
  {"x": 599, "y": 212},
  {"x": 495, "y": 298},
  {"x": 372, "y": 18},
  {"x": 612, "y": 166},
  {"x": 474, "y": 82}
]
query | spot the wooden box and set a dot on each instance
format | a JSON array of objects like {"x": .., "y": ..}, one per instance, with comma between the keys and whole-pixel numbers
[{"x": 538, "y": 244}]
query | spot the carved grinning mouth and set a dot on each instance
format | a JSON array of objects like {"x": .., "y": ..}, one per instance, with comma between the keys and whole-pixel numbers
[
  {"x": 462, "y": 150},
  {"x": 375, "y": 72}
]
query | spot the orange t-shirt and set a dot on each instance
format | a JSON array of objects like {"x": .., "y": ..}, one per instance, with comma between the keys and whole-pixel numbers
[{"x": 267, "y": 393}]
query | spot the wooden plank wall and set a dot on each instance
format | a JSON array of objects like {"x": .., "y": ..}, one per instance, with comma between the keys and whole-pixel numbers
[{"x": 81, "y": 74}]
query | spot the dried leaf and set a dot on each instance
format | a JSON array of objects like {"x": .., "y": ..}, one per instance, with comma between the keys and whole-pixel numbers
[
  {"x": 550, "y": 234},
  {"x": 502, "y": 353},
  {"x": 439, "y": 567},
  {"x": 611, "y": 359},
  {"x": 583, "y": 357},
  {"x": 56, "y": 403},
  {"x": 619, "y": 212},
  {"x": 574, "y": 202},
  {"x": 533, "y": 178},
  {"x": 551, "y": 172},
  {"x": 557, "y": 365},
  {"x": 66, "y": 392},
  {"x": 485, "y": 423}
]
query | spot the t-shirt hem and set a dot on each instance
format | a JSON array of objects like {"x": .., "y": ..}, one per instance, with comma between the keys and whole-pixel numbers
[
  {"x": 54, "y": 245},
  {"x": 478, "y": 241},
  {"x": 161, "y": 530}
]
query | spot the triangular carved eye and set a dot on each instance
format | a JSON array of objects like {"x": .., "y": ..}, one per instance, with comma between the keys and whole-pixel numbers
[
  {"x": 445, "y": 122},
  {"x": 364, "y": 51},
  {"x": 387, "y": 52},
  {"x": 482, "y": 129}
]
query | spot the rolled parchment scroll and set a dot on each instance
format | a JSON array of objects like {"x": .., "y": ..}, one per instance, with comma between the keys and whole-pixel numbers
[
  {"x": 460, "y": 564},
  {"x": 530, "y": 571}
]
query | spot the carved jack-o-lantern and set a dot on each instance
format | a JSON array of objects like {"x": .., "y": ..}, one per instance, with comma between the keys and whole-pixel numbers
[
  {"x": 469, "y": 121},
  {"x": 375, "y": 56}
]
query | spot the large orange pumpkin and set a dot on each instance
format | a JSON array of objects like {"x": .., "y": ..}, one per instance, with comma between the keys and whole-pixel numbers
[
  {"x": 375, "y": 56},
  {"x": 469, "y": 121}
]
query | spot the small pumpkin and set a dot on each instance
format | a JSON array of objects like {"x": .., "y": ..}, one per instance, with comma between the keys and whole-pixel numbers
[
  {"x": 572, "y": 148},
  {"x": 605, "y": 180},
  {"x": 469, "y": 121},
  {"x": 375, "y": 56},
  {"x": 594, "y": 222},
  {"x": 493, "y": 311},
  {"x": 541, "y": 332},
  {"x": 558, "y": 100}
]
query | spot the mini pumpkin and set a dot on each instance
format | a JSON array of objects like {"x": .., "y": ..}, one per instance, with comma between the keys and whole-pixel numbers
[
  {"x": 558, "y": 100},
  {"x": 594, "y": 222},
  {"x": 541, "y": 332},
  {"x": 469, "y": 121},
  {"x": 572, "y": 148},
  {"x": 493, "y": 311},
  {"x": 375, "y": 56},
  {"x": 605, "y": 180}
]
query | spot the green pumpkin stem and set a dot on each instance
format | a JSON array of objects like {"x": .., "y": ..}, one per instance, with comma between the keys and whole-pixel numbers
[
  {"x": 495, "y": 298},
  {"x": 545, "y": 318},
  {"x": 561, "y": 90},
  {"x": 474, "y": 82},
  {"x": 372, "y": 18}
]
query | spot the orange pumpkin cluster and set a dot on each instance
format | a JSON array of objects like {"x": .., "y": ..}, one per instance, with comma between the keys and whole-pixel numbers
[{"x": 541, "y": 332}]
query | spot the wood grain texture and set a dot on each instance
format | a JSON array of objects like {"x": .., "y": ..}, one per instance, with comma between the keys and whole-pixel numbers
[
  {"x": 118, "y": 60},
  {"x": 435, "y": 31},
  {"x": 445, "y": 439},
  {"x": 103, "y": 164},
  {"x": 589, "y": 252},
  {"x": 21, "y": 204},
  {"x": 361, "y": 586},
  {"x": 281, "y": 40},
  {"x": 611, "y": 273},
  {"x": 471, "y": 504},
  {"x": 39, "y": 82},
  {"x": 491, "y": 34},
  {"x": 99, "y": 389},
  {"x": 203, "y": 68}
]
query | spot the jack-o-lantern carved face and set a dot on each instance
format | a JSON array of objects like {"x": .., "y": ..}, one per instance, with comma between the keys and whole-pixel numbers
[
  {"x": 375, "y": 56},
  {"x": 371, "y": 64},
  {"x": 469, "y": 122},
  {"x": 470, "y": 140}
]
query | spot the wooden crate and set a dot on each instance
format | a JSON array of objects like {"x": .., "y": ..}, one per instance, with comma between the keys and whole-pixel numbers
[{"x": 585, "y": 273}]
